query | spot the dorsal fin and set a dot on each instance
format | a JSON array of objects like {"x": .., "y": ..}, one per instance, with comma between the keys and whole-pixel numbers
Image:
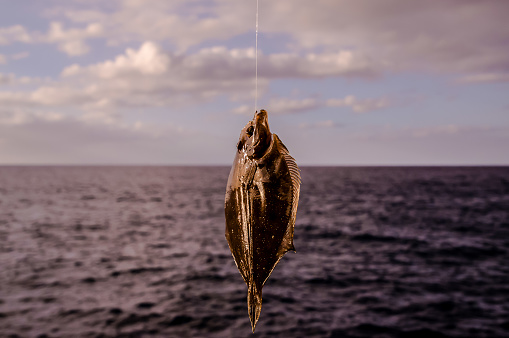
[{"x": 295, "y": 175}]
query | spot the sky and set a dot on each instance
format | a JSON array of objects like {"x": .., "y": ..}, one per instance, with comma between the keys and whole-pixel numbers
[{"x": 172, "y": 82}]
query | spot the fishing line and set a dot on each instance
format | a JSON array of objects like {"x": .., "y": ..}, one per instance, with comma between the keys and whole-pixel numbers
[{"x": 256, "y": 60}]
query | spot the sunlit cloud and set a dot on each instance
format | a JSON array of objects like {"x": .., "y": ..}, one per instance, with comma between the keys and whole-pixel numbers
[
  {"x": 284, "y": 105},
  {"x": 70, "y": 41},
  {"x": 19, "y": 56},
  {"x": 320, "y": 125},
  {"x": 485, "y": 78},
  {"x": 360, "y": 105}
]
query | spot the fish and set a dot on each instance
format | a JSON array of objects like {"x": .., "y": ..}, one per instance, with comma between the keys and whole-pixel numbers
[{"x": 262, "y": 195}]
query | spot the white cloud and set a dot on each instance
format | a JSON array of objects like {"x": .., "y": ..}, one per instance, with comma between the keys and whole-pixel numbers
[
  {"x": 384, "y": 145},
  {"x": 279, "y": 106},
  {"x": 57, "y": 32},
  {"x": 288, "y": 106},
  {"x": 74, "y": 48},
  {"x": 4, "y": 58},
  {"x": 420, "y": 134},
  {"x": 345, "y": 63},
  {"x": 145, "y": 77},
  {"x": 485, "y": 77},
  {"x": 243, "y": 110},
  {"x": 149, "y": 76},
  {"x": 29, "y": 138},
  {"x": 284, "y": 105},
  {"x": 445, "y": 36},
  {"x": 184, "y": 23},
  {"x": 148, "y": 60},
  {"x": 16, "y": 33},
  {"x": 360, "y": 105},
  {"x": 6, "y": 78},
  {"x": 13, "y": 117},
  {"x": 356, "y": 36},
  {"x": 10, "y": 79},
  {"x": 70, "y": 41},
  {"x": 20, "y": 116},
  {"x": 19, "y": 56},
  {"x": 327, "y": 124},
  {"x": 428, "y": 131}
]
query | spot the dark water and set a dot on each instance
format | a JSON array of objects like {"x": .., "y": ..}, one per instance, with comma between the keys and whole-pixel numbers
[{"x": 140, "y": 252}]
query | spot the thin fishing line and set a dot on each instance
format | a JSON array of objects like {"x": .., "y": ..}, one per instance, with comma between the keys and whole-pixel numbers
[{"x": 256, "y": 60}]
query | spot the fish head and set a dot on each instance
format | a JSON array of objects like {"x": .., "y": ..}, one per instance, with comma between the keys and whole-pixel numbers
[{"x": 255, "y": 137}]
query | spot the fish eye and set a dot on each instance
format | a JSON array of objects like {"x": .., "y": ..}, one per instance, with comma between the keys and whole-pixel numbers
[{"x": 250, "y": 130}]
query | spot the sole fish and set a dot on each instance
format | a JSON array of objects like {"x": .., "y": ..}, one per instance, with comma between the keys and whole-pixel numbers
[{"x": 261, "y": 201}]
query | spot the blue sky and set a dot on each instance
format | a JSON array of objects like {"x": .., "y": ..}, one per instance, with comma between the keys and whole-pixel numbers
[{"x": 351, "y": 82}]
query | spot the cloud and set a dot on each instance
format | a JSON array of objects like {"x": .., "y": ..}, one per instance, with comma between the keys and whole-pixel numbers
[
  {"x": 184, "y": 23},
  {"x": 280, "y": 106},
  {"x": 327, "y": 124},
  {"x": 484, "y": 78},
  {"x": 4, "y": 58},
  {"x": 290, "y": 106},
  {"x": 149, "y": 59},
  {"x": 70, "y": 41},
  {"x": 284, "y": 105},
  {"x": 20, "y": 116},
  {"x": 27, "y": 138},
  {"x": 360, "y": 105},
  {"x": 140, "y": 78},
  {"x": 11, "y": 79},
  {"x": 420, "y": 134},
  {"x": 243, "y": 110},
  {"x": 445, "y": 36},
  {"x": 16, "y": 33},
  {"x": 450, "y": 36},
  {"x": 446, "y": 129},
  {"x": 6, "y": 79},
  {"x": 221, "y": 20},
  {"x": 19, "y": 56},
  {"x": 431, "y": 145},
  {"x": 345, "y": 63},
  {"x": 358, "y": 36},
  {"x": 74, "y": 48},
  {"x": 150, "y": 76}
]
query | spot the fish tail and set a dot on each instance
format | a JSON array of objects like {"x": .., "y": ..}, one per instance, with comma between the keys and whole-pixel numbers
[{"x": 254, "y": 303}]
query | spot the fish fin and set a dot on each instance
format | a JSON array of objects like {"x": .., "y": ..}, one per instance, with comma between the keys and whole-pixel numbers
[
  {"x": 254, "y": 303},
  {"x": 296, "y": 181}
]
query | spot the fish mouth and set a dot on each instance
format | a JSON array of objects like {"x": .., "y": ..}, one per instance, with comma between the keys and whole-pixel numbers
[
  {"x": 258, "y": 135},
  {"x": 259, "y": 115}
]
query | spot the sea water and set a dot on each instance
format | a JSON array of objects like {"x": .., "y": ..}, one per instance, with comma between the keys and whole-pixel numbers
[{"x": 140, "y": 252}]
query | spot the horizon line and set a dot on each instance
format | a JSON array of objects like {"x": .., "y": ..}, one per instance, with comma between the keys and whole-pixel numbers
[{"x": 228, "y": 165}]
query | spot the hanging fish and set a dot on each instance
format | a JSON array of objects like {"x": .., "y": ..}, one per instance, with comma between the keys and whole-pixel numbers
[{"x": 261, "y": 201}]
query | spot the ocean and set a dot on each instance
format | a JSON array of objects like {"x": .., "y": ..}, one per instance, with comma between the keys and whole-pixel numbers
[{"x": 141, "y": 252}]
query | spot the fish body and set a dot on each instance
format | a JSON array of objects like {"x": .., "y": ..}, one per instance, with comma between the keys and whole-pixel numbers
[{"x": 261, "y": 201}]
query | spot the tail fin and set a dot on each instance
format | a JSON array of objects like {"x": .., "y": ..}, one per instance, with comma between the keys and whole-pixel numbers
[{"x": 254, "y": 303}]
